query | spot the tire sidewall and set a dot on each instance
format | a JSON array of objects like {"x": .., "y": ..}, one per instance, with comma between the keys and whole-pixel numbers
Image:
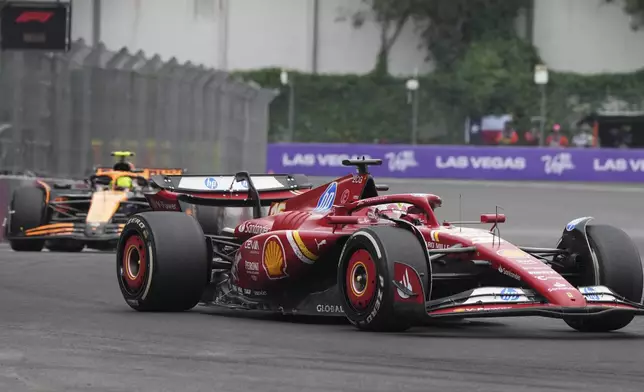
[
  {"x": 382, "y": 305},
  {"x": 136, "y": 225}
]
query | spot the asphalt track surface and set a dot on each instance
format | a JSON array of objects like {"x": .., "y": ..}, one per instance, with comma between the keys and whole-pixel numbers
[{"x": 65, "y": 327}]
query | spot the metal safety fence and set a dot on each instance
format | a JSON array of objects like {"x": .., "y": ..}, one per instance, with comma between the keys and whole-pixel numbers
[{"x": 62, "y": 114}]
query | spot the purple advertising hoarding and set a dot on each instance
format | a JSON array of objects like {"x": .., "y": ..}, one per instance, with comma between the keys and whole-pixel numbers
[{"x": 462, "y": 162}]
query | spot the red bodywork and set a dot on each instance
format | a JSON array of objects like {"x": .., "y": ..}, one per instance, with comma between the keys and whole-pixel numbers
[{"x": 307, "y": 228}]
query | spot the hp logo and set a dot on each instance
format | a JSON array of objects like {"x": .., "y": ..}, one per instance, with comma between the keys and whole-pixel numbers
[
  {"x": 509, "y": 294},
  {"x": 210, "y": 183}
]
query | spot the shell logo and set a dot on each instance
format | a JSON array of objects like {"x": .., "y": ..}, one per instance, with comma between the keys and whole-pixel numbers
[{"x": 274, "y": 258}]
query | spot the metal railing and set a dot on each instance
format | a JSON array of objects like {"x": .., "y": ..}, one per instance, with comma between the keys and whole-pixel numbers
[{"x": 62, "y": 114}]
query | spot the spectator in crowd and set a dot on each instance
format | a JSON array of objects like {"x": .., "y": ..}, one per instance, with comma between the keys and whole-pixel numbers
[
  {"x": 556, "y": 138},
  {"x": 615, "y": 138},
  {"x": 508, "y": 135},
  {"x": 626, "y": 137},
  {"x": 531, "y": 137},
  {"x": 583, "y": 138},
  {"x": 618, "y": 138}
]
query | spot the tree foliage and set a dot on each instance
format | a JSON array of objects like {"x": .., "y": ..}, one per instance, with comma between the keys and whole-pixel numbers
[
  {"x": 490, "y": 72},
  {"x": 391, "y": 16},
  {"x": 634, "y": 8},
  {"x": 448, "y": 27},
  {"x": 482, "y": 68},
  {"x": 494, "y": 77},
  {"x": 455, "y": 24}
]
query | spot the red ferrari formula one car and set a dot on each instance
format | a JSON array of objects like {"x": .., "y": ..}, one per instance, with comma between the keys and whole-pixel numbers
[{"x": 382, "y": 261}]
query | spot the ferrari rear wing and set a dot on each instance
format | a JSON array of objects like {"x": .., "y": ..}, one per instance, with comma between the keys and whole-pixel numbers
[
  {"x": 227, "y": 183},
  {"x": 240, "y": 189}
]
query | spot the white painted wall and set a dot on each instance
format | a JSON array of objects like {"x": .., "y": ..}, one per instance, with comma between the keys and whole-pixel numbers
[
  {"x": 248, "y": 34},
  {"x": 82, "y": 20},
  {"x": 584, "y": 36},
  {"x": 587, "y": 36},
  {"x": 183, "y": 29},
  {"x": 346, "y": 49},
  {"x": 272, "y": 33}
]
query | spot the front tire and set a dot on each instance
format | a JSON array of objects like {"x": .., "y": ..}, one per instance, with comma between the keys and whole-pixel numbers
[
  {"x": 162, "y": 262},
  {"x": 619, "y": 267},
  {"x": 28, "y": 205},
  {"x": 365, "y": 272}
]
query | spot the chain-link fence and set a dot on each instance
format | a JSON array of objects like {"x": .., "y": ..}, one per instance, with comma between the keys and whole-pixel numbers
[{"x": 62, "y": 114}]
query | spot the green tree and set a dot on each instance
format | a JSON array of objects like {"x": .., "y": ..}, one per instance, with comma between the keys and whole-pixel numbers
[
  {"x": 391, "y": 16},
  {"x": 635, "y": 8},
  {"x": 448, "y": 27},
  {"x": 493, "y": 76}
]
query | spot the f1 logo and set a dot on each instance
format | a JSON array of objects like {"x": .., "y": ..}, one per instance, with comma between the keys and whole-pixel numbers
[{"x": 37, "y": 16}]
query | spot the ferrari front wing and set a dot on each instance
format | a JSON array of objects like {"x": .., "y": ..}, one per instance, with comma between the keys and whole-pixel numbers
[{"x": 514, "y": 302}]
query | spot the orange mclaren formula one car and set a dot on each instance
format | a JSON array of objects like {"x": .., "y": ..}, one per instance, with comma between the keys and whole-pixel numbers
[{"x": 63, "y": 217}]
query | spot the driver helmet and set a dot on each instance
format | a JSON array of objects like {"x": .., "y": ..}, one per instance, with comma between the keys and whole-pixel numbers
[{"x": 124, "y": 182}]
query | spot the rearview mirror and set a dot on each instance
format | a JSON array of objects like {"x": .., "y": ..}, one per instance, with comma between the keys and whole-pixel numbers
[{"x": 492, "y": 218}]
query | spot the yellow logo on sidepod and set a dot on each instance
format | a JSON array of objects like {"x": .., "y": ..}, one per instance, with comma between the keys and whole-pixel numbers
[{"x": 274, "y": 258}]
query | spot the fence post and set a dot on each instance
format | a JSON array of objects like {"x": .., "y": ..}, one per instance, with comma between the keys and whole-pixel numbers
[
  {"x": 17, "y": 112},
  {"x": 151, "y": 117},
  {"x": 219, "y": 122}
]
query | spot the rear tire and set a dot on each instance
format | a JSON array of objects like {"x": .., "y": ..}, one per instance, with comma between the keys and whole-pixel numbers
[
  {"x": 211, "y": 219},
  {"x": 28, "y": 205},
  {"x": 370, "y": 254},
  {"x": 620, "y": 269},
  {"x": 162, "y": 262}
]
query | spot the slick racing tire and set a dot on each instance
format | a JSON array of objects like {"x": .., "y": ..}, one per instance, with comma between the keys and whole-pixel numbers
[
  {"x": 162, "y": 262},
  {"x": 619, "y": 268},
  {"x": 365, "y": 274},
  {"x": 210, "y": 218},
  {"x": 65, "y": 246},
  {"x": 28, "y": 205}
]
